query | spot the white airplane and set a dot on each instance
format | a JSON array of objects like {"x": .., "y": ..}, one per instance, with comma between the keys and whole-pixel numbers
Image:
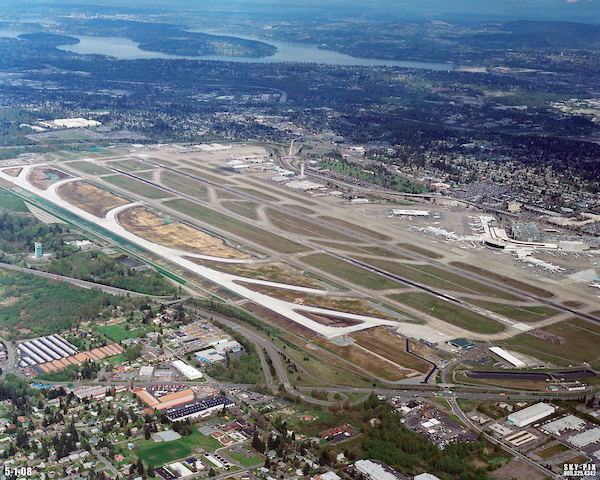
[{"x": 595, "y": 283}]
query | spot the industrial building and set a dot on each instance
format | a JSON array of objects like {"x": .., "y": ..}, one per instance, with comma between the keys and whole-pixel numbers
[
  {"x": 188, "y": 371},
  {"x": 219, "y": 351},
  {"x": 528, "y": 415},
  {"x": 585, "y": 438},
  {"x": 507, "y": 357},
  {"x": 210, "y": 356},
  {"x": 570, "y": 422},
  {"x": 376, "y": 470},
  {"x": 201, "y": 408}
]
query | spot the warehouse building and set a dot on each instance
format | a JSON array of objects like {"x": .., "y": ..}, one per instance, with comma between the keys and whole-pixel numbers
[
  {"x": 586, "y": 438},
  {"x": 188, "y": 371},
  {"x": 528, "y": 415}
]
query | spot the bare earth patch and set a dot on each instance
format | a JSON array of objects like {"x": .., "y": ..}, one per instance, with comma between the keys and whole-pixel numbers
[
  {"x": 348, "y": 305},
  {"x": 90, "y": 198},
  {"x": 517, "y": 469},
  {"x": 13, "y": 172},
  {"x": 390, "y": 346},
  {"x": 274, "y": 272},
  {"x": 174, "y": 234},
  {"x": 42, "y": 177},
  {"x": 9, "y": 301}
]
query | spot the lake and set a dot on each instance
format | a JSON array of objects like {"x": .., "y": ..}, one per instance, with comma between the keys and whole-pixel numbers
[{"x": 126, "y": 49}]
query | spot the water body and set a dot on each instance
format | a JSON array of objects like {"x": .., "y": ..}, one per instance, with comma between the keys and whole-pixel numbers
[
  {"x": 9, "y": 33},
  {"x": 126, "y": 49}
]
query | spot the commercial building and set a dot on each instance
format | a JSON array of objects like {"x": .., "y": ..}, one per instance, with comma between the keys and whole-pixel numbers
[
  {"x": 165, "y": 402},
  {"x": 528, "y": 415},
  {"x": 508, "y": 357}
]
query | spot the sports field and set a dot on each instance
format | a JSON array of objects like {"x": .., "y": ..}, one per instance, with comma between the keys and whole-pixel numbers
[
  {"x": 163, "y": 452},
  {"x": 116, "y": 333}
]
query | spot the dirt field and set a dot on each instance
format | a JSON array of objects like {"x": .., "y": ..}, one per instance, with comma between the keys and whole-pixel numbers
[
  {"x": 42, "y": 178},
  {"x": 329, "y": 320},
  {"x": 174, "y": 234},
  {"x": 348, "y": 305},
  {"x": 90, "y": 198},
  {"x": 13, "y": 172},
  {"x": 380, "y": 341},
  {"x": 516, "y": 469}
]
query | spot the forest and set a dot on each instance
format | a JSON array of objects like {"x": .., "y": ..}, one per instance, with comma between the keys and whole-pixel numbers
[
  {"x": 35, "y": 306},
  {"x": 100, "y": 268},
  {"x": 18, "y": 234}
]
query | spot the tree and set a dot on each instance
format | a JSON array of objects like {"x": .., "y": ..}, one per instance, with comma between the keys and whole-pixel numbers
[
  {"x": 150, "y": 471},
  {"x": 140, "y": 467},
  {"x": 211, "y": 472}
]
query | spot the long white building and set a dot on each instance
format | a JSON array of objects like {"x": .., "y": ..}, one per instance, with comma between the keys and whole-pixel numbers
[
  {"x": 509, "y": 357},
  {"x": 528, "y": 415}
]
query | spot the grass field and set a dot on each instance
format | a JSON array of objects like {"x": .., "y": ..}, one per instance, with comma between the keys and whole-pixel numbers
[
  {"x": 242, "y": 207},
  {"x": 146, "y": 175},
  {"x": 164, "y": 162},
  {"x": 184, "y": 185},
  {"x": 522, "y": 314},
  {"x": 134, "y": 186},
  {"x": 582, "y": 343},
  {"x": 116, "y": 333},
  {"x": 355, "y": 228},
  {"x": 163, "y": 452},
  {"x": 129, "y": 165},
  {"x": 551, "y": 451},
  {"x": 511, "y": 282},
  {"x": 421, "y": 250},
  {"x": 90, "y": 168},
  {"x": 204, "y": 176},
  {"x": 435, "y": 277},
  {"x": 350, "y": 272},
  {"x": 243, "y": 460},
  {"x": 449, "y": 312},
  {"x": 296, "y": 198},
  {"x": 244, "y": 230},
  {"x": 299, "y": 209},
  {"x": 303, "y": 227},
  {"x": 258, "y": 194},
  {"x": 11, "y": 202},
  {"x": 384, "y": 252}
]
